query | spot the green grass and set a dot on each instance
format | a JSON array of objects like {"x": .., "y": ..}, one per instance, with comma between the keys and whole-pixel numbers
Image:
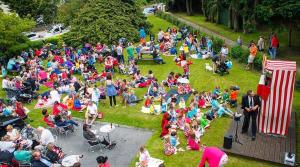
[
  {"x": 200, "y": 80},
  {"x": 284, "y": 51}
]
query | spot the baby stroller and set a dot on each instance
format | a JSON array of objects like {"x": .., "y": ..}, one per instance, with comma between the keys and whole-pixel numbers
[
  {"x": 223, "y": 67},
  {"x": 18, "y": 95}
]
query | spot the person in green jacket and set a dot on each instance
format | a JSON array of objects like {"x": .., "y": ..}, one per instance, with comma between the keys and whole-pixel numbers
[
  {"x": 130, "y": 52},
  {"x": 22, "y": 155}
]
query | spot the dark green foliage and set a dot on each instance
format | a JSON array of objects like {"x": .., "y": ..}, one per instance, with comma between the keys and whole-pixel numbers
[
  {"x": 236, "y": 52},
  {"x": 11, "y": 28},
  {"x": 35, "y": 8},
  {"x": 106, "y": 21},
  {"x": 217, "y": 43},
  {"x": 241, "y": 55}
]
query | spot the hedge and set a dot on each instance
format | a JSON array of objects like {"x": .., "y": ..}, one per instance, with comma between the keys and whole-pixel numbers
[
  {"x": 17, "y": 49},
  {"x": 240, "y": 54}
]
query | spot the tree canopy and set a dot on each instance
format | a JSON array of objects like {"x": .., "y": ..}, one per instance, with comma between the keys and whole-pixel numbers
[
  {"x": 11, "y": 28},
  {"x": 35, "y": 8},
  {"x": 106, "y": 21}
]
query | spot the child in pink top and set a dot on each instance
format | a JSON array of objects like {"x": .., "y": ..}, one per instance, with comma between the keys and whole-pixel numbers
[
  {"x": 214, "y": 157},
  {"x": 192, "y": 144}
]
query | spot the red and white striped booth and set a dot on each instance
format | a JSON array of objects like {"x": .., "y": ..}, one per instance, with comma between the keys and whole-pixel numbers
[{"x": 276, "y": 89}]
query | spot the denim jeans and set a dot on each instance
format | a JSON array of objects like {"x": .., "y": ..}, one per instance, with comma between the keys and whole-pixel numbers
[{"x": 273, "y": 52}]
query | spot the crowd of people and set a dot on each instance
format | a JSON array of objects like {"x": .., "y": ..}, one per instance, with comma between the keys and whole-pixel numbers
[{"x": 75, "y": 83}]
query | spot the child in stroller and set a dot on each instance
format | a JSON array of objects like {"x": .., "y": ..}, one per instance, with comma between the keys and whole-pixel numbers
[{"x": 223, "y": 67}]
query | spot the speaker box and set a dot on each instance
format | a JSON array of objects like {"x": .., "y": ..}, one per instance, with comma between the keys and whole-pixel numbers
[{"x": 227, "y": 141}]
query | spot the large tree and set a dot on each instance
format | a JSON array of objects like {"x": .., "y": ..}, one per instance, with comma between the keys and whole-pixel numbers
[
  {"x": 35, "y": 8},
  {"x": 106, "y": 21},
  {"x": 280, "y": 13},
  {"x": 11, "y": 28}
]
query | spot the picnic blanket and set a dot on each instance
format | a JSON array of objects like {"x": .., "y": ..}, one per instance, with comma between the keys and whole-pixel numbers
[
  {"x": 49, "y": 84},
  {"x": 196, "y": 56},
  {"x": 173, "y": 91},
  {"x": 147, "y": 110},
  {"x": 43, "y": 103},
  {"x": 153, "y": 162}
]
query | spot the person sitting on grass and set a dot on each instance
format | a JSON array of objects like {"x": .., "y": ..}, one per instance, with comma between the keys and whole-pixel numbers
[
  {"x": 144, "y": 157},
  {"x": 225, "y": 97},
  {"x": 192, "y": 143},
  {"x": 47, "y": 119},
  {"x": 221, "y": 109},
  {"x": 168, "y": 148}
]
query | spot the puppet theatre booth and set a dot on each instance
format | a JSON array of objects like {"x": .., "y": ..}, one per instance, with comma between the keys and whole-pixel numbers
[
  {"x": 276, "y": 124},
  {"x": 276, "y": 89}
]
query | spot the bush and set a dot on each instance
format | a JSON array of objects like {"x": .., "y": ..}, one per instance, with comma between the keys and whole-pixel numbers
[
  {"x": 236, "y": 52},
  {"x": 217, "y": 44}
]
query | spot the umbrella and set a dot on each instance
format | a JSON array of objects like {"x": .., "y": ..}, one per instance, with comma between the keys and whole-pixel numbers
[{"x": 183, "y": 80}]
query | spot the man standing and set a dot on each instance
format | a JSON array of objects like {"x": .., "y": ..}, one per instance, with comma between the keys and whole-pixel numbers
[
  {"x": 130, "y": 52},
  {"x": 274, "y": 46},
  {"x": 120, "y": 53},
  {"x": 251, "y": 105}
]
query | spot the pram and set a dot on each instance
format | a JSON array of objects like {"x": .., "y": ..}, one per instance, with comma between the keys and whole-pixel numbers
[
  {"x": 19, "y": 95},
  {"x": 223, "y": 67}
]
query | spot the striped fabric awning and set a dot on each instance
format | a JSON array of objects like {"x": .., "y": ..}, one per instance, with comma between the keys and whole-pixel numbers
[
  {"x": 280, "y": 65},
  {"x": 275, "y": 113}
]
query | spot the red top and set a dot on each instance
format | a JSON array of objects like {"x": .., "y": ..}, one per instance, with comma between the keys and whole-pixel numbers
[
  {"x": 274, "y": 42},
  {"x": 48, "y": 122},
  {"x": 106, "y": 164},
  {"x": 57, "y": 108}
]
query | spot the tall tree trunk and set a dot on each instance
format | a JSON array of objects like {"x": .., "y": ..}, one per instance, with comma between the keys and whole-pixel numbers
[
  {"x": 290, "y": 37},
  {"x": 235, "y": 22},
  {"x": 191, "y": 7},
  {"x": 229, "y": 17},
  {"x": 203, "y": 9},
  {"x": 244, "y": 23},
  {"x": 187, "y": 4}
]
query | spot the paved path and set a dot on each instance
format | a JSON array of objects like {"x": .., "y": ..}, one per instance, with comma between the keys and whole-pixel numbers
[
  {"x": 128, "y": 142},
  {"x": 205, "y": 30}
]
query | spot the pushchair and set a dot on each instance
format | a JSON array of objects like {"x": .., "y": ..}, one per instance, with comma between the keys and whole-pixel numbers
[
  {"x": 17, "y": 95},
  {"x": 223, "y": 67}
]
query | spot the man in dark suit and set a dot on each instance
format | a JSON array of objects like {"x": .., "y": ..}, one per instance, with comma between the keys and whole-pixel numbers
[{"x": 251, "y": 105}]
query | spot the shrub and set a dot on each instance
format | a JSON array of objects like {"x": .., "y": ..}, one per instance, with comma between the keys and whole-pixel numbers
[
  {"x": 236, "y": 52},
  {"x": 217, "y": 44}
]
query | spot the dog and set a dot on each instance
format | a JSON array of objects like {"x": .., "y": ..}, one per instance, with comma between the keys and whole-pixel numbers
[{"x": 208, "y": 67}]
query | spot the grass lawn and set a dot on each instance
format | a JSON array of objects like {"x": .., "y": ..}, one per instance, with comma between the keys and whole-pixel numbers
[
  {"x": 284, "y": 52},
  {"x": 200, "y": 80}
]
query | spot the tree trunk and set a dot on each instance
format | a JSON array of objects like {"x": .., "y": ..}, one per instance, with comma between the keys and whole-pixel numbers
[
  {"x": 244, "y": 23},
  {"x": 230, "y": 18},
  {"x": 187, "y": 4},
  {"x": 191, "y": 7},
  {"x": 235, "y": 22},
  {"x": 290, "y": 37},
  {"x": 202, "y": 8}
]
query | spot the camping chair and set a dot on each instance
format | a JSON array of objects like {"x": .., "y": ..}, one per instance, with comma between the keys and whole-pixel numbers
[
  {"x": 91, "y": 146},
  {"x": 63, "y": 130},
  {"x": 24, "y": 164}
]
